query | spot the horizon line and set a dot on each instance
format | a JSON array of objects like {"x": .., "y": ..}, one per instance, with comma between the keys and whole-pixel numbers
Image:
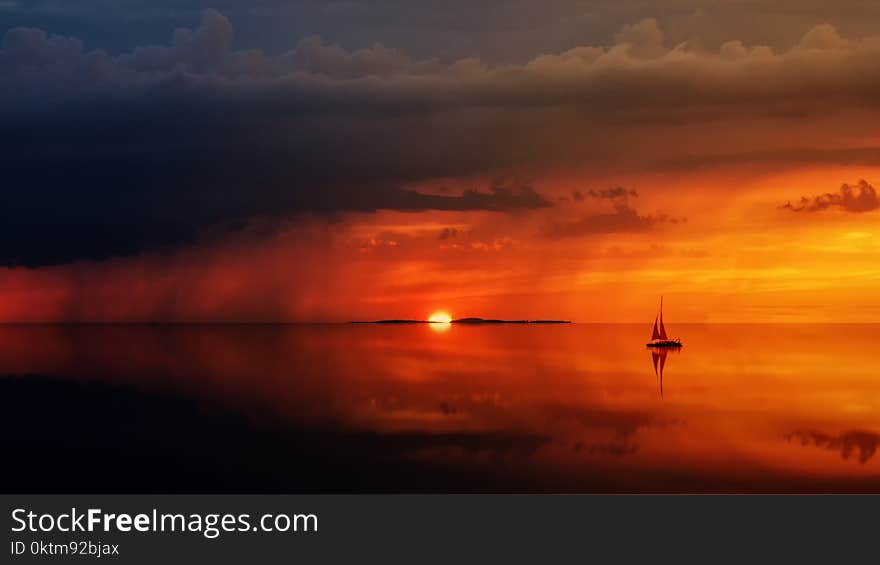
[{"x": 537, "y": 321}]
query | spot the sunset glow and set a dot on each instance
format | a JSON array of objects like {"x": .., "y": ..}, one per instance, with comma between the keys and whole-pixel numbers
[
  {"x": 588, "y": 202},
  {"x": 423, "y": 247},
  {"x": 440, "y": 318},
  {"x": 440, "y": 321}
]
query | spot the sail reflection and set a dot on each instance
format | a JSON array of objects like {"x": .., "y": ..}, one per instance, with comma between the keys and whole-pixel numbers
[{"x": 658, "y": 358}]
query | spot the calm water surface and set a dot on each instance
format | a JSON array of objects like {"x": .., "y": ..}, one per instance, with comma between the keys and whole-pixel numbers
[{"x": 413, "y": 408}]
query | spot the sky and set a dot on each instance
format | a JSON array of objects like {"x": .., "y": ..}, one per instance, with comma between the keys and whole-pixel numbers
[{"x": 268, "y": 161}]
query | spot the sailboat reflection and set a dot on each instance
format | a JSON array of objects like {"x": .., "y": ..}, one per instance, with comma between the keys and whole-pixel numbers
[{"x": 658, "y": 357}]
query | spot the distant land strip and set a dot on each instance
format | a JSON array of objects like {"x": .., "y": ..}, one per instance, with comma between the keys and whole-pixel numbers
[{"x": 464, "y": 321}]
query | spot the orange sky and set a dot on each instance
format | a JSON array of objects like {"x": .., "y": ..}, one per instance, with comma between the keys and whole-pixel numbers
[
  {"x": 580, "y": 184},
  {"x": 743, "y": 260}
]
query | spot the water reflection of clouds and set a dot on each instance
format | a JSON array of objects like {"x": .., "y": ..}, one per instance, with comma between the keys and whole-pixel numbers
[
  {"x": 604, "y": 432},
  {"x": 622, "y": 424},
  {"x": 848, "y": 443},
  {"x": 401, "y": 405}
]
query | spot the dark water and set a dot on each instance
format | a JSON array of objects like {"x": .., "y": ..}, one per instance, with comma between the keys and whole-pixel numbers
[{"x": 368, "y": 408}]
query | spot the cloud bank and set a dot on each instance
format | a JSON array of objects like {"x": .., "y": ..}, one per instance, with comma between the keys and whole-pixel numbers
[{"x": 109, "y": 155}]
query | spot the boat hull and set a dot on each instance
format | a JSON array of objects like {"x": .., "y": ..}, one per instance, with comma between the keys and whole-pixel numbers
[{"x": 664, "y": 343}]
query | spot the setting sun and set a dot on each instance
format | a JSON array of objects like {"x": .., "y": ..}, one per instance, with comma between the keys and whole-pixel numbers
[{"x": 440, "y": 317}]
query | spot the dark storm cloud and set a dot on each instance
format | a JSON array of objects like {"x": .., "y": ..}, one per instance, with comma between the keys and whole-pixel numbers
[
  {"x": 807, "y": 156},
  {"x": 498, "y": 198},
  {"x": 149, "y": 181},
  {"x": 107, "y": 154},
  {"x": 859, "y": 198},
  {"x": 493, "y": 29},
  {"x": 114, "y": 156},
  {"x": 617, "y": 192},
  {"x": 613, "y": 193}
]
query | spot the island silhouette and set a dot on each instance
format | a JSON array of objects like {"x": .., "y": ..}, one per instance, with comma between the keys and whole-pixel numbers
[{"x": 462, "y": 321}]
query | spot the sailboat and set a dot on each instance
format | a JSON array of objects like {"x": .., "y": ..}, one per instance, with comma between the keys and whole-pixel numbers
[{"x": 658, "y": 336}]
